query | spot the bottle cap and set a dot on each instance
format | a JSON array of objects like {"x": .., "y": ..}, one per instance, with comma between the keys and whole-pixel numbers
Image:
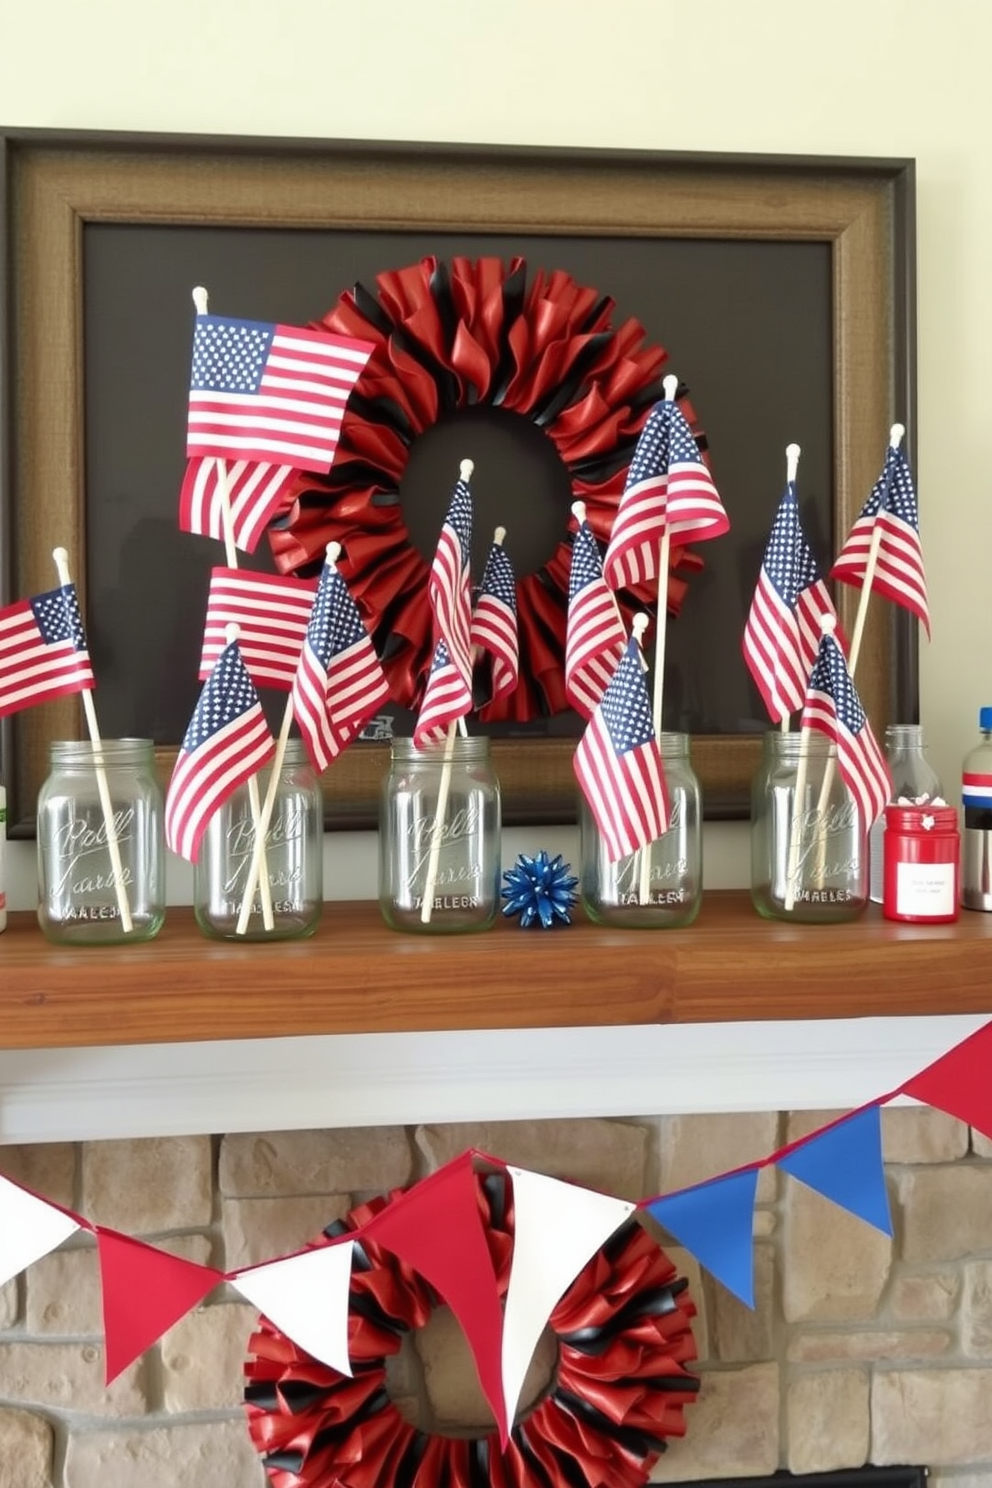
[{"x": 985, "y": 718}]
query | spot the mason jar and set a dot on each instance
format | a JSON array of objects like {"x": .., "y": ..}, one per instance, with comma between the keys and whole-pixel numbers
[
  {"x": 293, "y": 874},
  {"x": 662, "y": 885},
  {"x": 439, "y": 838},
  {"x": 809, "y": 858},
  {"x": 101, "y": 843}
]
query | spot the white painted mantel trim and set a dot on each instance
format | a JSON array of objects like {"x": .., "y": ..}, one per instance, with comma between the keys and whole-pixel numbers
[{"x": 385, "y": 1079}]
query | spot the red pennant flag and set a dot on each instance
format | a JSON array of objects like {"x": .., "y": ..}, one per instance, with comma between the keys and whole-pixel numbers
[
  {"x": 436, "y": 1228},
  {"x": 958, "y": 1082},
  {"x": 145, "y": 1291}
]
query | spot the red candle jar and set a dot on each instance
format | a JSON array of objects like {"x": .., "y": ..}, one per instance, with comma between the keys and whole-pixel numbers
[{"x": 922, "y": 862}]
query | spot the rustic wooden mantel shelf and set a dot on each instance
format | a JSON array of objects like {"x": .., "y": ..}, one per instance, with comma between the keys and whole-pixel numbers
[{"x": 357, "y": 976}]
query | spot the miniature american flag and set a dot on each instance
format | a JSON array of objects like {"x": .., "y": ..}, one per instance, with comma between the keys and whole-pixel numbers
[
  {"x": 43, "y": 651},
  {"x": 892, "y": 509},
  {"x": 618, "y": 763},
  {"x": 448, "y": 693},
  {"x": 668, "y": 487},
  {"x": 228, "y": 739},
  {"x": 274, "y": 393},
  {"x": 494, "y": 620},
  {"x": 782, "y": 635},
  {"x": 339, "y": 682},
  {"x": 834, "y": 708},
  {"x": 254, "y": 491},
  {"x": 272, "y": 612},
  {"x": 446, "y": 699},
  {"x": 594, "y": 636}
]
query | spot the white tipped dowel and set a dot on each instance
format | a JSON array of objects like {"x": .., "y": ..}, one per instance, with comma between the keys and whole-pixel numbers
[
  {"x": 670, "y": 386},
  {"x": 61, "y": 558},
  {"x": 638, "y": 626},
  {"x": 465, "y": 470},
  {"x": 579, "y": 511},
  {"x": 200, "y": 299},
  {"x": 792, "y": 453},
  {"x": 896, "y": 435}
]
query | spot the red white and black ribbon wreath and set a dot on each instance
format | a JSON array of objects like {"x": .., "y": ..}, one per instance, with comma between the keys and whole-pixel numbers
[
  {"x": 623, "y": 1331},
  {"x": 460, "y": 334}
]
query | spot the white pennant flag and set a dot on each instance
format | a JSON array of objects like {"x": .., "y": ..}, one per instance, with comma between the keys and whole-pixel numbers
[
  {"x": 556, "y": 1229},
  {"x": 306, "y": 1296},
  {"x": 29, "y": 1229}
]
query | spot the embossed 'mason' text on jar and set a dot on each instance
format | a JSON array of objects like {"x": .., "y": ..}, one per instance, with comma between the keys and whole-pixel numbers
[
  {"x": 808, "y": 836},
  {"x": 439, "y": 837},
  {"x": 101, "y": 849}
]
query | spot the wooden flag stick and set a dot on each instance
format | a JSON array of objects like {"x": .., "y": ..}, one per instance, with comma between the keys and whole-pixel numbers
[
  {"x": 61, "y": 558},
  {"x": 792, "y": 453},
  {"x": 444, "y": 787},
  {"x": 231, "y": 554}
]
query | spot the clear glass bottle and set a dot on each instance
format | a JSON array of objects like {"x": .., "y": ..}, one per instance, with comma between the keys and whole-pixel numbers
[
  {"x": 912, "y": 777},
  {"x": 294, "y": 857},
  {"x": 808, "y": 863},
  {"x": 661, "y": 886},
  {"x": 439, "y": 838},
  {"x": 101, "y": 843},
  {"x": 976, "y": 839}
]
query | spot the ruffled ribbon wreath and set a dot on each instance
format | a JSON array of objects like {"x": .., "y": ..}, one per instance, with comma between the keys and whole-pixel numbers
[
  {"x": 619, "y": 1387},
  {"x": 464, "y": 334}
]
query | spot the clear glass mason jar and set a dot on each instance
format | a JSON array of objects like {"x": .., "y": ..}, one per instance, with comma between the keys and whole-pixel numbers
[
  {"x": 101, "y": 843},
  {"x": 661, "y": 886},
  {"x": 439, "y": 838},
  {"x": 294, "y": 857},
  {"x": 808, "y": 862}
]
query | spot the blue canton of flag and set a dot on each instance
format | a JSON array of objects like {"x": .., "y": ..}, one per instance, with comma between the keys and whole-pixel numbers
[
  {"x": 594, "y": 634},
  {"x": 227, "y": 740},
  {"x": 230, "y": 355},
  {"x": 494, "y": 620},
  {"x": 339, "y": 682},
  {"x": 891, "y": 510},
  {"x": 782, "y": 636},
  {"x": 834, "y": 709},
  {"x": 618, "y": 763}
]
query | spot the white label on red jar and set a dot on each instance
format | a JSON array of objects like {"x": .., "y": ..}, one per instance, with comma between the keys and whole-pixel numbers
[{"x": 925, "y": 889}]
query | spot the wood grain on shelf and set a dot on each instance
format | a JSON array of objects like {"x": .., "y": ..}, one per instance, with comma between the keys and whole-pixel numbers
[{"x": 357, "y": 976}]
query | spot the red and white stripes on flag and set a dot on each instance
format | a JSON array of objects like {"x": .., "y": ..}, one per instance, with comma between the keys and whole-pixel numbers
[
  {"x": 891, "y": 510},
  {"x": 594, "y": 633},
  {"x": 274, "y": 393},
  {"x": 254, "y": 490},
  {"x": 834, "y": 708},
  {"x": 272, "y": 612},
  {"x": 494, "y": 621},
  {"x": 43, "y": 652},
  {"x": 448, "y": 690},
  {"x": 446, "y": 699},
  {"x": 618, "y": 763},
  {"x": 339, "y": 682}
]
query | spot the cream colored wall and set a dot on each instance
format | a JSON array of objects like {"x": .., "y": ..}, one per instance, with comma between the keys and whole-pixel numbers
[{"x": 856, "y": 77}]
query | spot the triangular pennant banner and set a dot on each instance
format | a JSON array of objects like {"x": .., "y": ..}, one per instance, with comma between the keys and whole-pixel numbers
[
  {"x": 715, "y": 1222},
  {"x": 959, "y": 1082},
  {"x": 844, "y": 1163},
  {"x": 306, "y": 1296},
  {"x": 436, "y": 1228},
  {"x": 145, "y": 1291},
  {"x": 557, "y": 1227},
  {"x": 29, "y": 1228}
]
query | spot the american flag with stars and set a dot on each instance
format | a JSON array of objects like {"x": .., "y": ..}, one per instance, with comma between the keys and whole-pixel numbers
[
  {"x": 271, "y": 611},
  {"x": 594, "y": 633},
  {"x": 339, "y": 682},
  {"x": 227, "y": 740},
  {"x": 892, "y": 509},
  {"x": 494, "y": 621},
  {"x": 43, "y": 652},
  {"x": 668, "y": 487},
  {"x": 253, "y": 491},
  {"x": 618, "y": 763},
  {"x": 448, "y": 693},
  {"x": 782, "y": 634},
  {"x": 833, "y": 708}
]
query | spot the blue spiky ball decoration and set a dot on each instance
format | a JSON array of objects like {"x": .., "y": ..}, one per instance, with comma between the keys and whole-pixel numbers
[{"x": 540, "y": 891}]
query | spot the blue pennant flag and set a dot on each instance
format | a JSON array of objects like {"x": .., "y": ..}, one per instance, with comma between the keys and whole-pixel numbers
[
  {"x": 844, "y": 1163},
  {"x": 715, "y": 1223}
]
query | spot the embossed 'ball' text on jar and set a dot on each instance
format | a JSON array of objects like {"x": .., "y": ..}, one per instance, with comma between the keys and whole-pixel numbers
[
  {"x": 662, "y": 885},
  {"x": 439, "y": 838},
  {"x": 101, "y": 843},
  {"x": 293, "y": 862},
  {"x": 809, "y": 859}
]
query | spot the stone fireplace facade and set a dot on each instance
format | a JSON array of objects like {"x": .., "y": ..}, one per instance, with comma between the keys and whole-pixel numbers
[{"x": 859, "y": 1349}]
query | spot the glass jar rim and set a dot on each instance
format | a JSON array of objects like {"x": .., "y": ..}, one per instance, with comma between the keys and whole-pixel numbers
[
  {"x": 106, "y": 752},
  {"x": 796, "y": 743},
  {"x": 466, "y": 748}
]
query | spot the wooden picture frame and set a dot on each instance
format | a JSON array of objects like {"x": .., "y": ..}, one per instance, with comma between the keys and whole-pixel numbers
[{"x": 54, "y": 183}]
